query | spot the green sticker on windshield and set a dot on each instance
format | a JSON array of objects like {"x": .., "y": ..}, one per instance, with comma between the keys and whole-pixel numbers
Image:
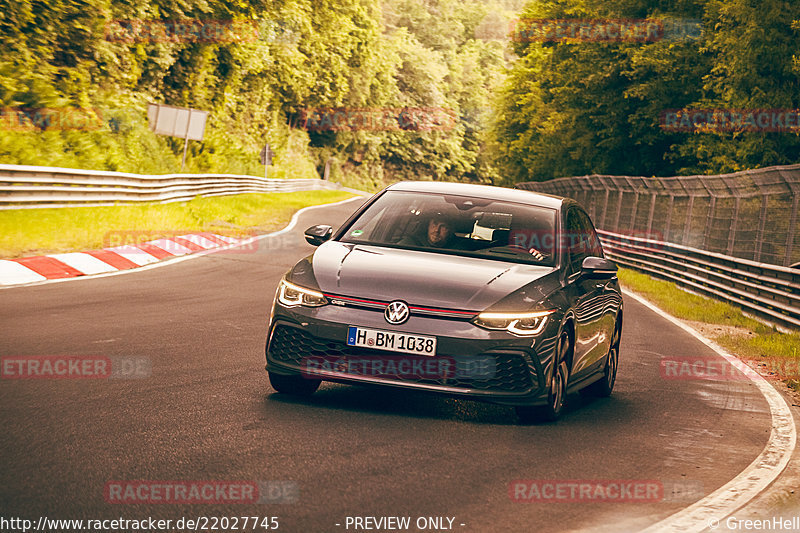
[{"x": 357, "y": 232}]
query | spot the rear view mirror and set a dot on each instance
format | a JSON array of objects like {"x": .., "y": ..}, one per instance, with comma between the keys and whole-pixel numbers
[
  {"x": 598, "y": 267},
  {"x": 316, "y": 235}
]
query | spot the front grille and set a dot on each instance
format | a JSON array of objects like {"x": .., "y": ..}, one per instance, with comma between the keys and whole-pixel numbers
[{"x": 292, "y": 347}]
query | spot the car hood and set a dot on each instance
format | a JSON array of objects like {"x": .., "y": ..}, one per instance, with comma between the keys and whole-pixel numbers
[{"x": 421, "y": 278}]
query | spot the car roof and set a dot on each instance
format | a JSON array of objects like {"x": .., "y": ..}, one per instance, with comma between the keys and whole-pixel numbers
[{"x": 482, "y": 191}]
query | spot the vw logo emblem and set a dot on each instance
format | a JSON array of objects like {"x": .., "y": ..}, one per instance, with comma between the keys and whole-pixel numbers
[{"x": 396, "y": 312}]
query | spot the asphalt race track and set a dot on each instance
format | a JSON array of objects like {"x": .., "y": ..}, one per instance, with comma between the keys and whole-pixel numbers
[{"x": 207, "y": 412}]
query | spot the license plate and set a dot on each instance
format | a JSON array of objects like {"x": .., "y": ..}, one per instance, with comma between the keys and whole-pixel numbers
[{"x": 391, "y": 341}]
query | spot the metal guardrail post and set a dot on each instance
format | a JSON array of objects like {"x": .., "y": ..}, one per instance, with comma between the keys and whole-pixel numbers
[
  {"x": 712, "y": 204},
  {"x": 787, "y": 260},
  {"x": 652, "y": 212},
  {"x": 792, "y": 229},
  {"x": 762, "y": 223},
  {"x": 594, "y": 202},
  {"x": 668, "y": 222},
  {"x": 635, "y": 208},
  {"x": 734, "y": 221},
  {"x": 619, "y": 209},
  {"x": 585, "y": 194},
  {"x": 687, "y": 228}
]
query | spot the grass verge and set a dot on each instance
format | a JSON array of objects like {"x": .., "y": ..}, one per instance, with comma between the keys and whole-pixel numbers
[
  {"x": 774, "y": 351},
  {"x": 25, "y": 232}
]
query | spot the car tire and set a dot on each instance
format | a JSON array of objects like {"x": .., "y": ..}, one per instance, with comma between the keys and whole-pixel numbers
[
  {"x": 294, "y": 385},
  {"x": 603, "y": 388},
  {"x": 557, "y": 395}
]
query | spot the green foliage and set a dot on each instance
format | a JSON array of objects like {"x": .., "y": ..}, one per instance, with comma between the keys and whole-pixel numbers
[
  {"x": 534, "y": 111},
  {"x": 444, "y": 55},
  {"x": 59, "y": 55},
  {"x": 574, "y": 108},
  {"x": 299, "y": 54},
  {"x": 754, "y": 45}
]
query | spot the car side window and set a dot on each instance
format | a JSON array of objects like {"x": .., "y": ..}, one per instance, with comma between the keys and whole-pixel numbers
[
  {"x": 581, "y": 239},
  {"x": 593, "y": 245},
  {"x": 574, "y": 242}
]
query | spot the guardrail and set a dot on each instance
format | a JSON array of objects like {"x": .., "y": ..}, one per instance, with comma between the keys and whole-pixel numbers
[
  {"x": 724, "y": 236},
  {"x": 769, "y": 291},
  {"x": 23, "y": 186},
  {"x": 753, "y": 214}
]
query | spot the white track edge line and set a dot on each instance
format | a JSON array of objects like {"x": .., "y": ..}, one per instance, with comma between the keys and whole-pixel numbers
[
  {"x": 711, "y": 510},
  {"x": 172, "y": 261}
]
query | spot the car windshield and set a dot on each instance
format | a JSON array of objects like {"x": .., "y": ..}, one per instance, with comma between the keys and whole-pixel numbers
[{"x": 458, "y": 225}]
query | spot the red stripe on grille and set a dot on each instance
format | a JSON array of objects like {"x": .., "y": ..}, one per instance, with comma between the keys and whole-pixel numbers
[
  {"x": 434, "y": 310},
  {"x": 412, "y": 307}
]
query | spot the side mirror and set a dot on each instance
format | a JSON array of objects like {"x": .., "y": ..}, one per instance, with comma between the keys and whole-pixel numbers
[
  {"x": 316, "y": 235},
  {"x": 597, "y": 267}
]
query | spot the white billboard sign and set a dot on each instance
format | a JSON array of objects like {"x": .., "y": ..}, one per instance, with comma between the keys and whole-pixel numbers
[{"x": 174, "y": 121}]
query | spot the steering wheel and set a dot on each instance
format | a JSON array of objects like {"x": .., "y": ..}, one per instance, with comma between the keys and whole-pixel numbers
[
  {"x": 518, "y": 248},
  {"x": 538, "y": 255}
]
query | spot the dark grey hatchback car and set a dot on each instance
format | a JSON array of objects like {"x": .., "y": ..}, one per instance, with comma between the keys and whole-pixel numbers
[{"x": 480, "y": 292}]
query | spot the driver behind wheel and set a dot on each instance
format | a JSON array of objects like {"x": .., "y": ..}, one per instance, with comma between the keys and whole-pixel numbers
[{"x": 437, "y": 233}]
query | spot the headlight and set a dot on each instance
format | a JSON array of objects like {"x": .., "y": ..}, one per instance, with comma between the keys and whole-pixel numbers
[
  {"x": 518, "y": 323},
  {"x": 291, "y": 295}
]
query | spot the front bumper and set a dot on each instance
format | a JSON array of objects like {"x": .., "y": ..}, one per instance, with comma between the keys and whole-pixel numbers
[{"x": 493, "y": 366}]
